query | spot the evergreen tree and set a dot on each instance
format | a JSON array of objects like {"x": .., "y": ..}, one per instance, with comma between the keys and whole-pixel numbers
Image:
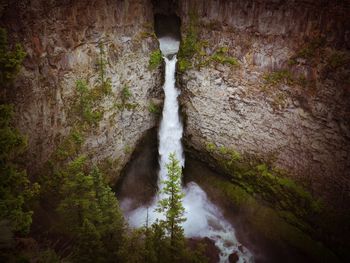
[
  {"x": 10, "y": 61},
  {"x": 171, "y": 206},
  {"x": 112, "y": 223},
  {"x": 89, "y": 246},
  {"x": 79, "y": 198},
  {"x": 15, "y": 187},
  {"x": 91, "y": 213}
]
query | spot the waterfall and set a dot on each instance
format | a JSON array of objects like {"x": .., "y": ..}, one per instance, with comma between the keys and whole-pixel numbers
[
  {"x": 203, "y": 218},
  {"x": 170, "y": 132}
]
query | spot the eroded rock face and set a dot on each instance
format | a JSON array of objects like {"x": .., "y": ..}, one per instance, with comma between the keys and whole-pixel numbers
[
  {"x": 62, "y": 40},
  {"x": 306, "y": 128}
]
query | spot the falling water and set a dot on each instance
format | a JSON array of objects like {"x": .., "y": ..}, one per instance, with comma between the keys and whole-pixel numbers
[
  {"x": 204, "y": 219},
  {"x": 170, "y": 132}
]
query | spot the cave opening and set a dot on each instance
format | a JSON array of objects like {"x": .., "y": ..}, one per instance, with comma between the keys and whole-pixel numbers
[{"x": 167, "y": 25}]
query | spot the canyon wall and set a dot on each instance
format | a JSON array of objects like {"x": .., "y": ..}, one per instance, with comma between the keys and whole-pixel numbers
[
  {"x": 62, "y": 41},
  {"x": 284, "y": 97},
  {"x": 283, "y": 93}
]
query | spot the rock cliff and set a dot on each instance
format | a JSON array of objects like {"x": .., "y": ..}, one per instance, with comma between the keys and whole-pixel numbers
[
  {"x": 62, "y": 41},
  {"x": 268, "y": 80}
]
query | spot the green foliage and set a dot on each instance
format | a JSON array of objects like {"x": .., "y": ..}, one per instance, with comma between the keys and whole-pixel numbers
[
  {"x": 126, "y": 94},
  {"x": 155, "y": 59},
  {"x": 109, "y": 167},
  {"x": 310, "y": 49},
  {"x": 270, "y": 183},
  {"x": 48, "y": 256},
  {"x": 269, "y": 221},
  {"x": 210, "y": 146},
  {"x": 171, "y": 206},
  {"x": 85, "y": 105},
  {"x": 70, "y": 146},
  {"x": 338, "y": 59},
  {"x": 221, "y": 56},
  {"x": 90, "y": 213},
  {"x": 10, "y": 61},
  {"x": 184, "y": 64},
  {"x": 15, "y": 188},
  {"x": 153, "y": 108},
  {"x": 105, "y": 83},
  {"x": 134, "y": 249},
  {"x": 278, "y": 77},
  {"x": 309, "y": 52},
  {"x": 190, "y": 44}
]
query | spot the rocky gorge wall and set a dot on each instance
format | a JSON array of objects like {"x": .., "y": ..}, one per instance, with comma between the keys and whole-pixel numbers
[
  {"x": 62, "y": 41},
  {"x": 271, "y": 79}
]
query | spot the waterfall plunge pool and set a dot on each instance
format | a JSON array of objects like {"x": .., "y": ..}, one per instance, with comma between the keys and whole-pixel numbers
[
  {"x": 138, "y": 187},
  {"x": 238, "y": 232}
]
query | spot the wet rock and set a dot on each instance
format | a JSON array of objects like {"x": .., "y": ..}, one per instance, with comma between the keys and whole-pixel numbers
[
  {"x": 233, "y": 258},
  {"x": 210, "y": 250}
]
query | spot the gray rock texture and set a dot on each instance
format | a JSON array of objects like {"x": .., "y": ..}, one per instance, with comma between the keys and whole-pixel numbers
[
  {"x": 61, "y": 39},
  {"x": 305, "y": 128}
]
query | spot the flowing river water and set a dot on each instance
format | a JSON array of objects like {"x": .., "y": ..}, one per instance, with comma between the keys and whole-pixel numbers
[{"x": 203, "y": 218}]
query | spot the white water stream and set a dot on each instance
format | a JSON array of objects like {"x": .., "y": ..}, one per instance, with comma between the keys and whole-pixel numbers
[{"x": 204, "y": 219}]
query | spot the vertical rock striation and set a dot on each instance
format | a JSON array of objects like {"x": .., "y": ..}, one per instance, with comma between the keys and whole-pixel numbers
[
  {"x": 62, "y": 41},
  {"x": 287, "y": 97}
]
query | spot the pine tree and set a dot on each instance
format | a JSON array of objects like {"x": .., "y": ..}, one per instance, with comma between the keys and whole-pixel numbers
[
  {"x": 112, "y": 224},
  {"x": 89, "y": 247},
  {"x": 89, "y": 205},
  {"x": 171, "y": 206},
  {"x": 10, "y": 61},
  {"x": 15, "y": 187},
  {"x": 79, "y": 198}
]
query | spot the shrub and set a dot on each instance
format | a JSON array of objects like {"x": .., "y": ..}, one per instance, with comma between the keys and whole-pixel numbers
[
  {"x": 10, "y": 61},
  {"x": 153, "y": 108},
  {"x": 278, "y": 77},
  {"x": 155, "y": 59}
]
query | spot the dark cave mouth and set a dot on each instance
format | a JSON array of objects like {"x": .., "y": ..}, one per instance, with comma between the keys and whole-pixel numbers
[{"x": 167, "y": 25}]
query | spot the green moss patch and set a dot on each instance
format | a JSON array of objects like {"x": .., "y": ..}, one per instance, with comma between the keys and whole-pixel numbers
[
  {"x": 155, "y": 59},
  {"x": 268, "y": 182},
  {"x": 221, "y": 56},
  {"x": 194, "y": 51},
  {"x": 268, "y": 221}
]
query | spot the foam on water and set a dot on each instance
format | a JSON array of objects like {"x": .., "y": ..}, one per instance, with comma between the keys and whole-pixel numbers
[{"x": 204, "y": 219}]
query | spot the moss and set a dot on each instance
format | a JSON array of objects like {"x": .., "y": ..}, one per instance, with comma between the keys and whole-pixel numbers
[
  {"x": 128, "y": 149},
  {"x": 211, "y": 147},
  {"x": 70, "y": 145},
  {"x": 338, "y": 59},
  {"x": 84, "y": 104},
  {"x": 155, "y": 59},
  {"x": 278, "y": 77},
  {"x": 109, "y": 167},
  {"x": 263, "y": 179},
  {"x": 105, "y": 85},
  {"x": 190, "y": 44},
  {"x": 183, "y": 64},
  {"x": 125, "y": 93},
  {"x": 153, "y": 108},
  {"x": 10, "y": 60},
  {"x": 221, "y": 56},
  {"x": 273, "y": 224}
]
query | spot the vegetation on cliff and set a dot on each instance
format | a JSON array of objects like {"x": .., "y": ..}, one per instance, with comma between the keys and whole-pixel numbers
[{"x": 16, "y": 190}]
